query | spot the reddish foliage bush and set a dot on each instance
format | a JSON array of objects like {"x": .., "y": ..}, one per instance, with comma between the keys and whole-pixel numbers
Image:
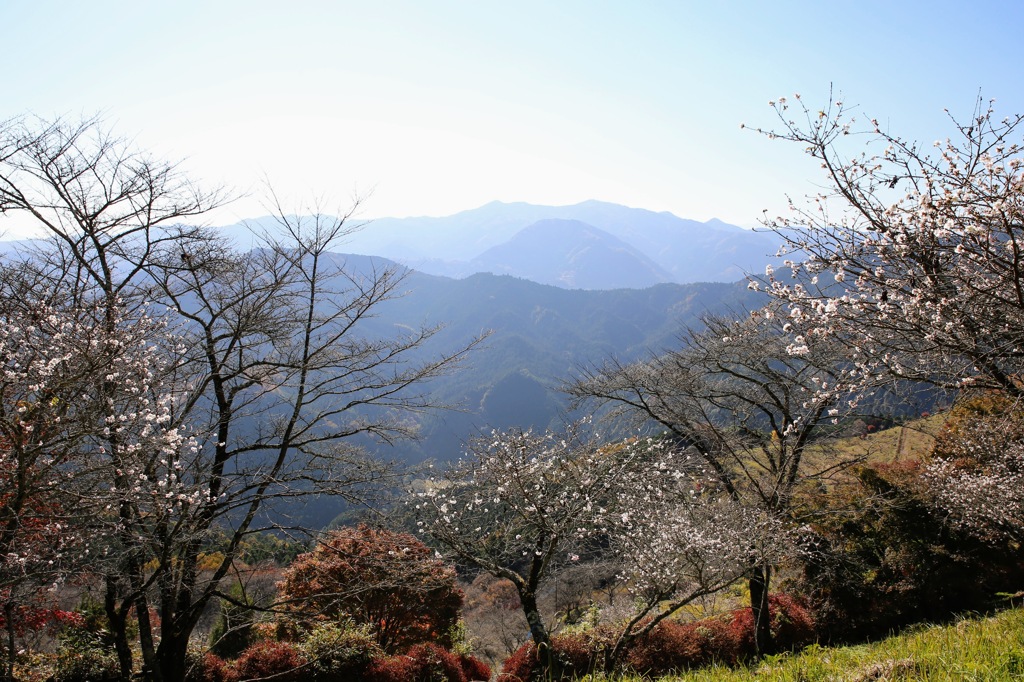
[
  {"x": 474, "y": 669},
  {"x": 791, "y": 624},
  {"x": 673, "y": 647},
  {"x": 390, "y": 669},
  {"x": 575, "y": 655},
  {"x": 28, "y": 618},
  {"x": 519, "y": 665},
  {"x": 266, "y": 658},
  {"x": 211, "y": 668},
  {"x": 435, "y": 664},
  {"x": 387, "y": 580},
  {"x": 422, "y": 663}
]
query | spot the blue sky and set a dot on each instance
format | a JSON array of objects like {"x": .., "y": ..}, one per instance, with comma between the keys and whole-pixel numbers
[{"x": 438, "y": 107}]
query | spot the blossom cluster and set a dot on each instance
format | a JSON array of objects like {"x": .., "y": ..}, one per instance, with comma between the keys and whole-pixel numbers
[{"x": 912, "y": 256}]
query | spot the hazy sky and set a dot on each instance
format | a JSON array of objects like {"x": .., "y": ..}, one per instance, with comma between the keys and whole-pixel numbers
[{"x": 439, "y": 107}]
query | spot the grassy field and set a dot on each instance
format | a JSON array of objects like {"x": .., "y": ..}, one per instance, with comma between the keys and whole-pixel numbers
[
  {"x": 990, "y": 649},
  {"x": 911, "y": 441}
]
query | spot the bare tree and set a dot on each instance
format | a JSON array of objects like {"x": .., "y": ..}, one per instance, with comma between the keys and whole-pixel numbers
[
  {"x": 282, "y": 378},
  {"x": 266, "y": 369}
]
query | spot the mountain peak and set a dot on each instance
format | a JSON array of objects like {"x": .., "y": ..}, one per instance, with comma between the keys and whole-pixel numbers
[{"x": 571, "y": 254}]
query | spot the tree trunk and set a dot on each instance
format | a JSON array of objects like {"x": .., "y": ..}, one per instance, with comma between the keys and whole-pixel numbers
[
  {"x": 171, "y": 656},
  {"x": 150, "y": 663},
  {"x": 118, "y": 624},
  {"x": 548, "y": 667},
  {"x": 760, "y": 581},
  {"x": 7, "y": 674}
]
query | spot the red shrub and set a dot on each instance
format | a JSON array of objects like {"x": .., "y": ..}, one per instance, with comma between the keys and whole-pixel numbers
[
  {"x": 266, "y": 658},
  {"x": 719, "y": 644},
  {"x": 673, "y": 647},
  {"x": 390, "y": 669},
  {"x": 519, "y": 665},
  {"x": 422, "y": 663},
  {"x": 387, "y": 580},
  {"x": 211, "y": 668},
  {"x": 576, "y": 655},
  {"x": 474, "y": 669},
  {"x": 35, "y": 619},
  {"x": 791, "y": 624},
  {"x": 436, "y": 664}
]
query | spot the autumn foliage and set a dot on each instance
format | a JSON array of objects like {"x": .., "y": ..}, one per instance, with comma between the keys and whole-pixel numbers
[
  {"x": 672, "y": 647},
  {"x": 389, "y": 581}
]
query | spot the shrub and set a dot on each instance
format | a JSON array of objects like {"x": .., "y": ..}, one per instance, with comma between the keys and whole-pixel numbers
[
  {"x": 435, "y": 664},
  {"x": 207, "y": 667},
  {"x": 473, "y": 668},
  {"x": 673, "y": 647},
  {"x": 390, "y": 669},
  {"x": 266, "y": 658},
  {"x": 390, "y": 581},
  {"x": 881, "y": 557},
  {"x": 576, "y": 655},
  {"x": 336, "y": 652},
  {"x": 791, "y": 625},
  {"x": 422, "y": 663},
  {"x": 519, "y": 665},
  {"x": 83, "y": 657}
]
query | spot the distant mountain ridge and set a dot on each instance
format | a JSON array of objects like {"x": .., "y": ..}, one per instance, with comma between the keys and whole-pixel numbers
[
  {"x": 573, "y": 255},
  {"x": 607, "y": 246},
  {"x": 540, "y": 335}
]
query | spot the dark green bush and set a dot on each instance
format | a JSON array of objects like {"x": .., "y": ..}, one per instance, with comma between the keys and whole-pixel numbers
[
  {"x": 83, "y": 656},
  {"x": 339, "y": 652},
  {"x": 881, "y": 556}
]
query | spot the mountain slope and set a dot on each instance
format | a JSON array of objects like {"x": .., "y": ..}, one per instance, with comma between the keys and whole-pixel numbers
[
  {"x": 539, "y": 336},
  {"x": 571, "y": 254}
]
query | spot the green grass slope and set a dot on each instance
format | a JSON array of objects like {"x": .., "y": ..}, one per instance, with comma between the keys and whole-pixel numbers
[{"x": 989, "y": 649}]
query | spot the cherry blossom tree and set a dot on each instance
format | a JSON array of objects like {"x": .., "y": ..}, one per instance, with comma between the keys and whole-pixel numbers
[
  {"x": 524, "y": 504},
  {"x": 749, "y": 401},
  {"x": 66, "y": 445},
  {"x": 912, "y": 252},
  {"x": 519, "y": 505},
  {"x": 38, "y": 390},
  {"x": 677, "y": 540},
  {"x": 977, "y": 467}
]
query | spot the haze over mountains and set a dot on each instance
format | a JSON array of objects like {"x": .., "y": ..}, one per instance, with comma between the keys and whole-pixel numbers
[
  {"x": 557, "y": 288},
  {"x": 539, "y": 335},
  {"x": 592, "y": 245}
]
